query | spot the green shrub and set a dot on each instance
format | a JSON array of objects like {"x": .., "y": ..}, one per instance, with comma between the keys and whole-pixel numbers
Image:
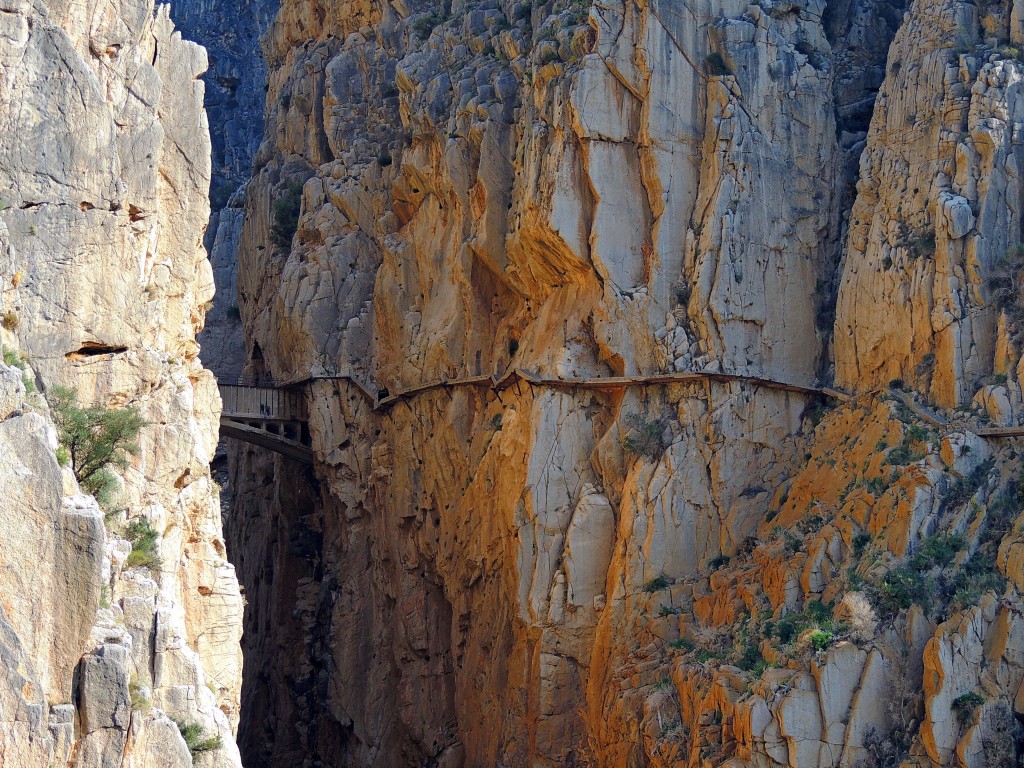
[
  {"x": 901, "y": 455},
  {"x": 664, "y": 684},
  {"x": 648, "y": 438},
  {"x": 424, "y": 25},
  {"x": 965, "y": 706},
  {"x": 286, "y": 215},
  {"x": 860, "y": 542},
  {"x": 139, "y": 696},
  {"x": 95, "y": 440},
  {"x": 682, "y": 644},
  {"x": 792, "y": 542},
  {"x": 716, "y": 65},
  {"x": 999, "y": 518},
  {"x": 939, "y": 549},
  {"x": 751, "y": 658},
  {"x": 820, "y": 639},
  {"x": 10, "y": 320},
  {"x": 922, "y": 245},
  {"x": 786, "y": 630},
  {"x": 13, "y": 359},
  {"x": 718, "y": 562},
  {"x": 978, "y": 576},
  {"x": 816, "y": 413},
  {"x": 192, "y": 733},
  {"x": 143, "y": 538},
  {"x": 900, "y": 588},
  {"x": 656, "y": 584},
  {"x": 966, "y": 487},
  {"x": 818, "y": 611}
]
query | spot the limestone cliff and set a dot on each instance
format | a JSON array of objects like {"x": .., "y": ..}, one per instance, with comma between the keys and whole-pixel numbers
[
  {"x": 115, "y": 622},
  {"x": 796, "y": 558},
  {"x": 234, "y": 96}
]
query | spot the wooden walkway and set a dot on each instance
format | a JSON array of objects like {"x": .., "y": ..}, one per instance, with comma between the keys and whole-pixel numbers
[
  {"x": 273, "y": 415},
  {"x": 269, "y": 417},
  {"x": 383, "y": 399},
  {"x": 940, "y": 422}
]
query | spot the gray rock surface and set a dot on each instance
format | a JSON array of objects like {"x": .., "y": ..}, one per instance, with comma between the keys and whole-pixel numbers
[
  {"x": 234, "y": 100},
  {"x": 103, "y": 286}
]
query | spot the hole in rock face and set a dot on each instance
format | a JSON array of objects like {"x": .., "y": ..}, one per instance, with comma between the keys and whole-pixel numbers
[{"x": 94, "y": 349}]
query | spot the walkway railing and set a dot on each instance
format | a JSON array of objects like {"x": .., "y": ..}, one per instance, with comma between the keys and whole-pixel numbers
[{"x": 264, "y": 400}]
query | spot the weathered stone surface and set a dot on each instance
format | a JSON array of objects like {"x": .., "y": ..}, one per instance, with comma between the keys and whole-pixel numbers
[
  {"x": 234, "y": 96},
  {"x": 937, "y": 208},
  {"x": 103, "y": 700},
  {"x": 103, "y": 287},
  {"x": 692, "y": 574}
]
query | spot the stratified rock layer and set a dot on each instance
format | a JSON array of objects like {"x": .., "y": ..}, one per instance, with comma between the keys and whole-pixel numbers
[
  {"x": 103, "y": 282},
  {"x": 729, "y": 572}
]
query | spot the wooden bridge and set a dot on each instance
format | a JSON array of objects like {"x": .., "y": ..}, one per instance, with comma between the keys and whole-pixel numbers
[
  {"x": 269, "y": 417},
  {"x": 272, "y": 414}
]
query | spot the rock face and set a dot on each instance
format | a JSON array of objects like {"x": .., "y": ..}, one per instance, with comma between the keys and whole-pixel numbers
[
  {"x": 106, "y": 637},
  {"x": 235, "y": 93},
  {"x": 712, "y": 571}
]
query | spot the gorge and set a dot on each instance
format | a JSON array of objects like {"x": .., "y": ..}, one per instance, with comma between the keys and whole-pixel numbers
[{"x": 658, "y": 369}]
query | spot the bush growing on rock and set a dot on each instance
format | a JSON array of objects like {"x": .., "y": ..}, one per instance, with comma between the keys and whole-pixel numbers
[
  {"x": 1005, "y": 284},
  {"x": 13, "y": 359},
  {"x": 286, "y": 215},
  {"x": 95, "y": 440},
  {"x": 192, "y": 733},
  {"x": 820, "y": 639},
  {"x": 143, "y": 536},
  {"x": 965, "y": 706},
  {"x": 656, "y": 584},
  {"x": 648, "y": 438},
  {"x": 856, "y": 611}
]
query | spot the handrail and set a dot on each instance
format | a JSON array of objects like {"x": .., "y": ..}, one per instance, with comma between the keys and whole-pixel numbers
[{"x": 383, "y": 398}]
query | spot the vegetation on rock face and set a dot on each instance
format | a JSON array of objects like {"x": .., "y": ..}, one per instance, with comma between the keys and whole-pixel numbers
[
  {"x": 95, "y": 440},
  {"x": 656, "y": 584},
  {"x": 143, "y": 537},
  {"x": 965, "y": 706},
  {"x": 13, "y": 359},
  {"x": 286, "y": 215},
  {"x": 139, "y": 694},
  {"x": 647, "y": 438},
  {"x": 717, "y": 67},
  {"x": 192, "y": 733},
  {"x": 1006, "y": 289}
]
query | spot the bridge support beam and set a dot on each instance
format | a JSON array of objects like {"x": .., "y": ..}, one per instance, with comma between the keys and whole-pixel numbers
[{"x": 249, "y": 434}]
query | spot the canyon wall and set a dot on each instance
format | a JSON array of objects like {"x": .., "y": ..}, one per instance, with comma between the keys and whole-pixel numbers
[
  {"x": 234, "y": 95},
  {"x": 120, "y": 624},
  {"x": 744, "y": 568}
]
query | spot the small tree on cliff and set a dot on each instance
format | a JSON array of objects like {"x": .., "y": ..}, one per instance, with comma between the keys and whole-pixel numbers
[{"x": 95, "y": 439}]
